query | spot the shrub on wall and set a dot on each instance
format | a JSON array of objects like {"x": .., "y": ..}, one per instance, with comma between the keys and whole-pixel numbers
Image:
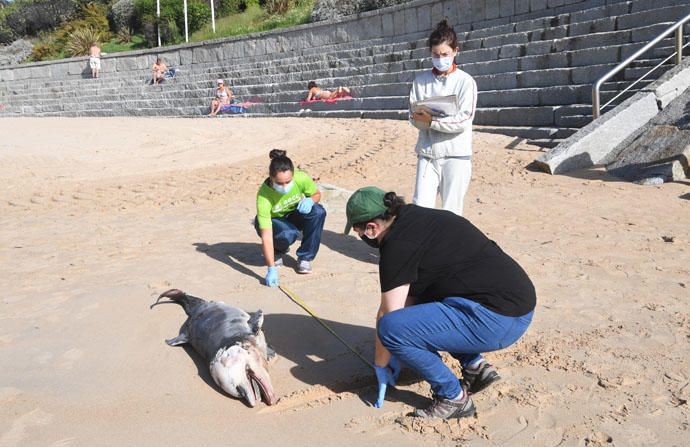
[
  {"x": 79, "y": 42},
  {"x": 91, "y": 17},
  {"x": 198, "y": 14},
  {"x": 122, "y": 15},
  {"x": 277, "y": 6},
  {"x": 225, "y": 7},
  {"x": 29, "y": 17},
  {"x": 331, "y": 9},
  {"x": 7, "y": 35}
]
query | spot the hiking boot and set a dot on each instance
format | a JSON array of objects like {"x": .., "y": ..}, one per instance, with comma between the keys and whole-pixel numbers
[
  {"x": 448, "y": 409},
  {"x": 304, "y": 267},
  {"x": 478, "y": 379}
]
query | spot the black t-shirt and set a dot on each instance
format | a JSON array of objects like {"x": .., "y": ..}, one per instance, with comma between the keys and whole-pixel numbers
[{"x": 443, "y": 255}]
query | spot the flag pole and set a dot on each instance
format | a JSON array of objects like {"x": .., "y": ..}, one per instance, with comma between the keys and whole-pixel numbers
[
  {"x": 186, "y": 23},
  {"x": 213, "y": 16},
  {"x": 158, "y": 22}
]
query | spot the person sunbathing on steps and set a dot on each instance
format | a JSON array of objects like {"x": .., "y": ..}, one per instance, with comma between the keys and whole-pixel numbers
[{"x": 316, "y": 92}]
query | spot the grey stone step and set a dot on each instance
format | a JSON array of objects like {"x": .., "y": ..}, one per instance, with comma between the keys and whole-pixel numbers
[
  {"x": 545, "y": 142},
  {"x": 516, "y": 116},
  {"x": 529, "y": 133}
]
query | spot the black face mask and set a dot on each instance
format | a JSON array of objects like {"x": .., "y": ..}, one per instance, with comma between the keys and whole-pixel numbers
[{"x": 370, "y": 242}]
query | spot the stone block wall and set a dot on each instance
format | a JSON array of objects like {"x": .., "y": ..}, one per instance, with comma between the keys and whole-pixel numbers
[{"x": 413, "y": 19}]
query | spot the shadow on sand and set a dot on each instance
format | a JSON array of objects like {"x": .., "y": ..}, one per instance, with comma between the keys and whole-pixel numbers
[
  {"x": 238, "y": 255},
  {"x": 350, "y": 246},
  {"x": 235, "y": 254},
  {"x": 320, "y": 359}
]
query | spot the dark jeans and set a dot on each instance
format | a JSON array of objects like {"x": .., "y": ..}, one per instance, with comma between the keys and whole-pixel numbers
[
  {"x": 286, "y": 230},
  {"x": 464, "y": 328}
]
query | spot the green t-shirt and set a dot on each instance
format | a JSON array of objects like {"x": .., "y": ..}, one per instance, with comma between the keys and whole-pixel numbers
[{"x": 271, "y": 204}]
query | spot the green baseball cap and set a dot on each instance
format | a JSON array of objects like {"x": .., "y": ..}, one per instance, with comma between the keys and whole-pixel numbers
[{"x": 364, "y": 205}]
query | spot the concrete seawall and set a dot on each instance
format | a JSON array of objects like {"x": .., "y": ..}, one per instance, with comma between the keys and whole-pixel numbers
[{"x": 408, "y": 20}]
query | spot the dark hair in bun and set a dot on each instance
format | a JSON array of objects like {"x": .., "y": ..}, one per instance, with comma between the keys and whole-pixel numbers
[
  {"x": 393, "y": 203},
  {"x": 279, "y": 162},
  {"x": 443, "y": 33}
]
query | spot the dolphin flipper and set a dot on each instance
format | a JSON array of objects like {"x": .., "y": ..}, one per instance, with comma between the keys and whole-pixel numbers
[
  {"x": 179, "y": 340},
  {"x": 182, "y": 338}
]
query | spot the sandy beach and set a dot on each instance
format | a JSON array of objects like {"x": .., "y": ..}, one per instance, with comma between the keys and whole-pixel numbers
[{"x": 99, "y": 216}]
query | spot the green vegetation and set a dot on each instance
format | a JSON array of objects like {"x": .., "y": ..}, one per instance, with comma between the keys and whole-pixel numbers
[
  {"x": 66, "y": 28},
  {"x": 116, "y": 46},
  {"x": 70, "y": 39},
  {"x": 255, "y": 19}
]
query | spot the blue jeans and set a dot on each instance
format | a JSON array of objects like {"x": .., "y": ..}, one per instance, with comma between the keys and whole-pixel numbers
[
  {"x": 464, "y": 328},
  {"x": 286, "y": 230}
]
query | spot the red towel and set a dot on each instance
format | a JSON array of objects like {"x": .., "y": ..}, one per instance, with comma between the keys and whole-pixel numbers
[{"x": 328, "y": 101}]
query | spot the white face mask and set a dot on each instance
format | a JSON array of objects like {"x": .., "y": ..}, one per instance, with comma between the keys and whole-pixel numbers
[
  {"x": 443, "y": 63},
  {"x": 283, "y": 189}
]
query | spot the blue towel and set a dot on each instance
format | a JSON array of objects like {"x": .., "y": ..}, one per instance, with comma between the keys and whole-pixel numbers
[{"x": 231, "y": 108}]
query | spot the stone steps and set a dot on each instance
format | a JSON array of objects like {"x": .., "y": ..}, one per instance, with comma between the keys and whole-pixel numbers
[
  {"x": 502, "y": 81},
  {"x": 574, "y": 41},
  {"x": 549, "y": 96},
  {"x": 304, "y": 72},
  {"x": 534, "y": 76}
]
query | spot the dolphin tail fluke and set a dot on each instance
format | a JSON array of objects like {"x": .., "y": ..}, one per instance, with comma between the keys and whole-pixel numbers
[{"x": 177, "y": 296}]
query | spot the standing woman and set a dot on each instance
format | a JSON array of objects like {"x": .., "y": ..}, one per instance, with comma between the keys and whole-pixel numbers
[
  {"x": 286, "y": 208},
  {"x": 444, "y": 287},
  {"x": 444, "y": 146}
]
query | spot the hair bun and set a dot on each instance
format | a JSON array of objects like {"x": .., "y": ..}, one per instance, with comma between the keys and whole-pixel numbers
[
  {"x": 277, "y": 153},
  {"x": 393, "y": 203},
  {"x": 389, "y": 199},
  {"x": 443, "y": 24},
  {"x": 443, "y": 33}
]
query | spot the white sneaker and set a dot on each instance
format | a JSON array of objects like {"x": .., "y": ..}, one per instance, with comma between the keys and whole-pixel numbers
[
  {"x": 278, "y": 261},
  {"x": 304, "y": 267}
]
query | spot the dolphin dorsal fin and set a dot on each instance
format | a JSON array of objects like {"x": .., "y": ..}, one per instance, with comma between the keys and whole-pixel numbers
[{"x": 256, "y": 321}]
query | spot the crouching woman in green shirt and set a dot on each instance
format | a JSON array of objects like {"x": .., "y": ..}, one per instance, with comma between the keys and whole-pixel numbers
[{"x": 286, "y": 208}]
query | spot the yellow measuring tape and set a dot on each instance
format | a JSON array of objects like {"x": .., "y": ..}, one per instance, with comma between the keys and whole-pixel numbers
[{"x": 304, "y": 306}]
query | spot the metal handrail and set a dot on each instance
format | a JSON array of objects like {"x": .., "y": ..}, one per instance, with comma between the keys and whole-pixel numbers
[{"x": 596, "y": 90}]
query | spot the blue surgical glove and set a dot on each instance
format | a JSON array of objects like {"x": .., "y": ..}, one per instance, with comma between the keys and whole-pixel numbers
[
  {"x": 272, "y": 277},
  {"x": 305, "y": 205},
  {"x": 385, "y": 377}
]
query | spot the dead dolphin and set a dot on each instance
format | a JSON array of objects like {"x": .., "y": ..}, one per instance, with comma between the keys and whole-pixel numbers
[{"x": 231, "y": 341}]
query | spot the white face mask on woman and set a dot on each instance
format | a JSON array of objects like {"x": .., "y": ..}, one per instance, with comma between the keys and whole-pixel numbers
[
  {"x": 283, "y": 189},
  {"x": 443, "y": 64}
]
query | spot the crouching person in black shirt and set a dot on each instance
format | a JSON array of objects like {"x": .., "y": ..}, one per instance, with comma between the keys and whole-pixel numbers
[{"x": 444, "y": 287}]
